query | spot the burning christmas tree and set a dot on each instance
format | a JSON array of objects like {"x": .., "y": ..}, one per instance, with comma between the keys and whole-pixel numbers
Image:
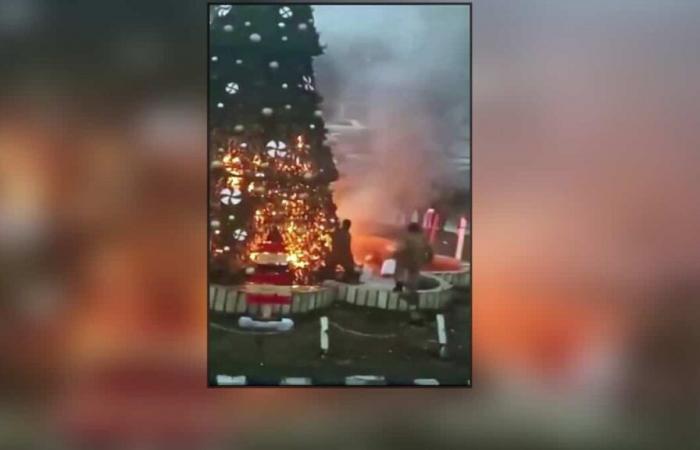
[{"x": 270, "y": 167}]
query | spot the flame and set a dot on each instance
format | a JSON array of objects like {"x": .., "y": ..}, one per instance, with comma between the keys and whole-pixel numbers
[{"x": 301, "y": 212}]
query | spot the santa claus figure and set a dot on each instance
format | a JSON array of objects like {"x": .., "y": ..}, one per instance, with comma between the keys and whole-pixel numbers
[{"x": 269, "y": 284}]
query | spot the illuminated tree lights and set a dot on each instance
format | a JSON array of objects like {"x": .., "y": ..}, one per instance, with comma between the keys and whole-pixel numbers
[
  {"x": 276, "y": 183},
  {"x": 269, "y": 166}
]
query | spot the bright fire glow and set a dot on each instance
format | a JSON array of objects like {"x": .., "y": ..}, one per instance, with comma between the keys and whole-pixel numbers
[{"x": 283, "y": 197}]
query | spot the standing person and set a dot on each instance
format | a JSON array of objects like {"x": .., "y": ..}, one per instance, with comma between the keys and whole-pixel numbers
[
  {"x": 341, "y": 255},
  {"x": 412, "y": 253}
]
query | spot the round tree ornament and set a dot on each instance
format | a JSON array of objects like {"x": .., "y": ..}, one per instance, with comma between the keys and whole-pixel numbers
[
  {"x": 223, "y": 10},
  {"x": 255, "y": 37},
  {"x": 307, "y": 83},
  {"x": 286, "y": 12},
  {"x": 267, "y": 111},
  {"x": 276, "y": 149},
  {"x": 230, "y": 196},
  {"x": 232, "y": 88}
]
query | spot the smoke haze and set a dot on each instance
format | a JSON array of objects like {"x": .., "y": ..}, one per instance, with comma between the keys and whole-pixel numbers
[{"x": 403, "y": 72}]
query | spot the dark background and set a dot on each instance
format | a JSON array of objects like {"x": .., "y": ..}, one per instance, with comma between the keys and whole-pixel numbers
[{"x": 585, "y": 238}]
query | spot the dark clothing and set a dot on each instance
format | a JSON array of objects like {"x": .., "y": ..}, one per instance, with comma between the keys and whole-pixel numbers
[
  {"x": 341, "y": 255},
  {"x": 412, "y": 253}
]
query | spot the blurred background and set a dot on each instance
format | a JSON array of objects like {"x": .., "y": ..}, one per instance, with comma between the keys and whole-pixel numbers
[{"x": 585, "y": 218}]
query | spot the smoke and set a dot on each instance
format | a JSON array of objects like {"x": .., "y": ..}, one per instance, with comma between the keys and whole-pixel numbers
[{"x": 403, "y": 72}]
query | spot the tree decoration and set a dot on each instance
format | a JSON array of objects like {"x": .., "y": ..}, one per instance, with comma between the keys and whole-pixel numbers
[
  {"x": 215, "y": 58},
  {"x": 286, "y": 12},
  {"x": 302, "y": 26},
  {"x": 223, "y": 10},
  {"x": 219, "y": 105},
  {"x": 231, "y": 196},
  {"x": 318, "y": 113},
  {"x": 307, "y": 83},
  {"x": 228, "y": 28},
  {"x": 232, "y": 88},
  {"x": 270, "y": 173},
  {"x": 276, "y": 149}
]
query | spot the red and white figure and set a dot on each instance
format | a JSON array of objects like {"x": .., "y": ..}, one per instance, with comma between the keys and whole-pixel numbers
[
  {"x": 435, "y": 224},
  {"x": 461, "y": 230},
  {"x": 271, "y": 281},
  {"x": 428, "y": 219},
  {"x": 230, "y": 196}
]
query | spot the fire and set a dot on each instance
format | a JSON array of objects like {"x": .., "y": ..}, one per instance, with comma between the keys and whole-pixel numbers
[{"x": 282, "y": 197}]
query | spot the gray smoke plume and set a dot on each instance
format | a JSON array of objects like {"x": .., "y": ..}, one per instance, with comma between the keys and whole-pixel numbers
[{"x": 403, "y": 72}]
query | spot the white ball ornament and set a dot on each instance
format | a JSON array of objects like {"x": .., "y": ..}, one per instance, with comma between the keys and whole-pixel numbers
[
  {"x": 232, "y": 88},
  {"x": 219, "y": 105},
  {"x": 223, "y": 10},
  {"x": 230, "y": 196},
  {"x": 312, "y": 126},
  {"x": 274, "y": 65},
  {"x": 281, "y": 25},
  {"x": 255, "y": 37},
  {"x": 215, "y": 224},
  {"x": 286, "y": 12},
  {"x": 247, "y": 24},
  {"x": 267, "y": 111},
  {"x": 318, "y": 113},
  {"x": 284, "y": 85},
  {"x": 238, "y": 128},
  {"x": 228, "y": 28},
  {"x": 284, "y": 38},
  {"x": 302, "y": 26},
  {"x": 287, "y": 106},
  {"x": 239, "y": 61},
  {"x": 250, "y": 270},
  {"x": 216, "y": 164},
  {"x": 215, "y": 58}
]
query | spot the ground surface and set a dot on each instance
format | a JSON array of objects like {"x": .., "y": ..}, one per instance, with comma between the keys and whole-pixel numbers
[{"x": 396, "y": 349}]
